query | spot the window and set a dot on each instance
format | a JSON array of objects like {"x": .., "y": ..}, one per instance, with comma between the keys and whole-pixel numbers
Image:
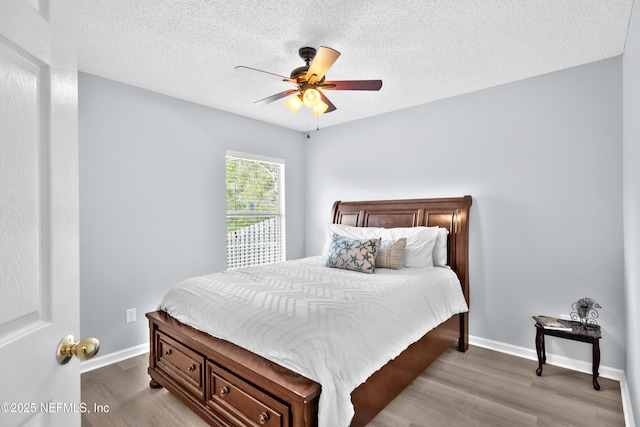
[{"x": 255, "y": 210}]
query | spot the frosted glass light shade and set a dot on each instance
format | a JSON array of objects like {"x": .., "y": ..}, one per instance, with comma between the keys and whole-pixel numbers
[
  {"x": 311, "y": 98},
  {"x": 320, "y": 108},
  {"x": 294, "y": 103}
]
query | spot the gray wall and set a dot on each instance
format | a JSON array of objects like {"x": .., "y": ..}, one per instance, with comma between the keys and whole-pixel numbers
[
  {"x": 631, "y": 177},
  {"x": 152, "y": 198},
  {"x": 543, "y": 160}
]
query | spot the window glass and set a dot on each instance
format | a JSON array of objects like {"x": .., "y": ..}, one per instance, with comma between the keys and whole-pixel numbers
[{"x": 255, "y": 210}]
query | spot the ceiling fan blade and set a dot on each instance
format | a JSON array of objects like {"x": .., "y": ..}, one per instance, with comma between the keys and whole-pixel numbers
[
  {"x": 277, "y": 96},
  {"x": 329, "y": 103},
  {"x": 324, "y": 59},
  {"x": 245, "y": 68},
  {"x": 352, "y": 85}
]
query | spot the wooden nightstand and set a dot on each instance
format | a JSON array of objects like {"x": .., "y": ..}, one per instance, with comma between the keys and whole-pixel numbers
[{"x": 579, "y": 332}]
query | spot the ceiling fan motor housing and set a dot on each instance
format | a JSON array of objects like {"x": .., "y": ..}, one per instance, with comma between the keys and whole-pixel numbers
[{"x": 299, "y": 73}]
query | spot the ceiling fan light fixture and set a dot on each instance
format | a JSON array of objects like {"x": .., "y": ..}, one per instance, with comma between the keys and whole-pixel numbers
[
  {"x": 294, "y": 103},
  {"x": 320, "y": 108},
  {"x": 311, "y": 98}
]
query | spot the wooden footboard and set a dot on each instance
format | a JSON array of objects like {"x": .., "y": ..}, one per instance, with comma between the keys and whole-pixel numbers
[{"x": 230, "y": 386}]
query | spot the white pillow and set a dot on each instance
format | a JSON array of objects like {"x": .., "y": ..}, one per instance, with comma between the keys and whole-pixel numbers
[
  {"x": 420, "y": 240},
  {"x": 440, "y": 248}
]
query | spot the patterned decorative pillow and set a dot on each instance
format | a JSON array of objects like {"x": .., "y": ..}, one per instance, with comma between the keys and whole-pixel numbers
[
  {"x": 391, "y": 254},
  {"x": 353, "y": 254}
]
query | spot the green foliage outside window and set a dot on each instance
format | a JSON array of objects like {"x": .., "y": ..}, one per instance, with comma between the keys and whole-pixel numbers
[{"x": 252, "y": 188}]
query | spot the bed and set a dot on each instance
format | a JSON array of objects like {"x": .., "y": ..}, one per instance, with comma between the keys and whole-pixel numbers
[{"x": 228, "y": 385}]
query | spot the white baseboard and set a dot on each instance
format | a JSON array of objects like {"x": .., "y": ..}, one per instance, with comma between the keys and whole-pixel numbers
[
  {"x": 568, "y": 363},
  {"x": 626, "y": 403},
  {"x": 115, "y": 357},
  {"x": 562, "y": 361}
]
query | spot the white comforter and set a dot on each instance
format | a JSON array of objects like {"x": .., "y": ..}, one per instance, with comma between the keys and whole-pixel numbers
[{"x": 336, "y": 327}]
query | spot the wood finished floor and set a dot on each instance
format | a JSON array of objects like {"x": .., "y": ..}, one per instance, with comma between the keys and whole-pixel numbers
[{"x": 477, "y": 388}]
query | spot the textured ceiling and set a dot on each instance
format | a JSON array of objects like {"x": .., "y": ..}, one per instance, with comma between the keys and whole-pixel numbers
[{"x": 421, "y": 50}]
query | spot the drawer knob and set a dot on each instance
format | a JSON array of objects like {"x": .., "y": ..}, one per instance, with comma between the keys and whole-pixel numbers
[
  {"x": 168, "y": 352},
  {"x": 224, "y": 391},
  {"x": 263, "y": 418},
  {"x": 191, "y": 368}
]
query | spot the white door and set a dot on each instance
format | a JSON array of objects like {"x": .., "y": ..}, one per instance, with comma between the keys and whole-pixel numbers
[{"x": 39, "y": 280}]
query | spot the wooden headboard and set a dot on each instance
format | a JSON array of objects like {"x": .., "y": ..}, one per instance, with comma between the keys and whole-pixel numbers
[{"x": 450, "y": 213}]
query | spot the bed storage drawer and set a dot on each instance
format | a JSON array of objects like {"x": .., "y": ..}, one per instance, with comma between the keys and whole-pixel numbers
[
  {"x": 180, "y": 363},
  {"x": 241, "y": 402}
]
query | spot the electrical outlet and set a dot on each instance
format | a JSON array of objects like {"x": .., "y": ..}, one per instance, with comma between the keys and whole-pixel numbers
[{"x": 130, "y": 315}]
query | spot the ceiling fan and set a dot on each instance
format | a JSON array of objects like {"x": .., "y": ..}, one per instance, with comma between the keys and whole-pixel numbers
[{"x": 310, "y": 82}]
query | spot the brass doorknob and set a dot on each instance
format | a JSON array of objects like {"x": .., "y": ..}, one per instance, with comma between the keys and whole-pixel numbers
[{"x": 83, "y": 350}]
